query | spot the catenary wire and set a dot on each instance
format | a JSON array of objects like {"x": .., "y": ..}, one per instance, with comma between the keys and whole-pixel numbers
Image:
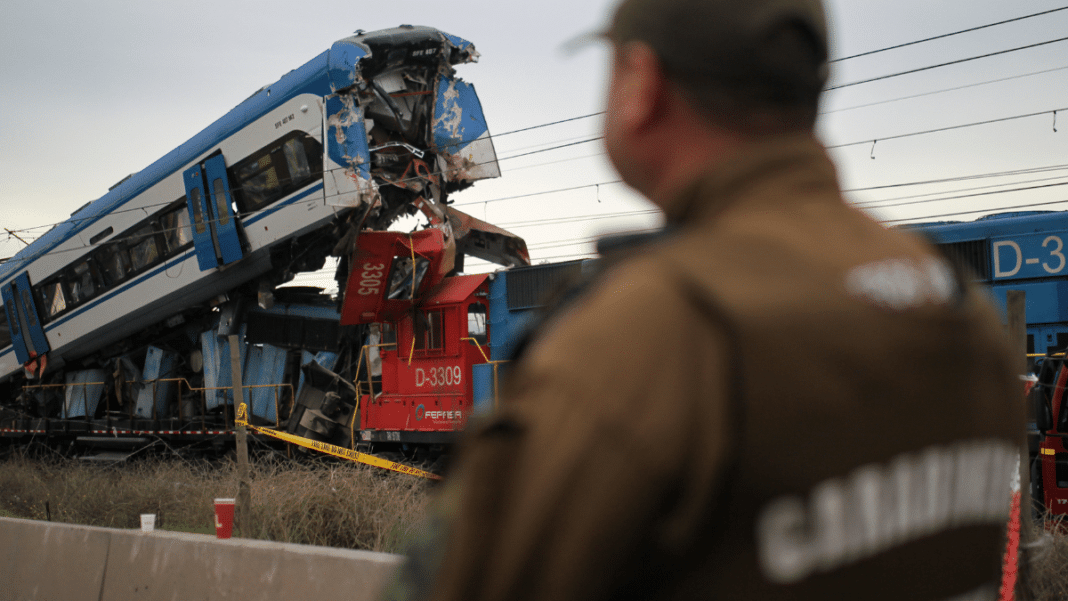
[
  {"x": 948, "y": 128},
  {"x": 935, "y": 92},
  {"x": 963, "y": 178},
  {"x": 897, "y": 201},
  {"x": 946, "y": 64},
  {"x": 946, "y": 35}
]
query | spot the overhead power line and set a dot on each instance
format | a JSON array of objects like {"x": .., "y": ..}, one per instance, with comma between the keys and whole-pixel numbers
[
  {"x": 893, "y": 201},
  {"x": 960, "y": 178},
  {"x": 557, "y": 147},
  {"x": 962, "y": 196},
  {"x": 943, "y": 91},
  {"x": 949, "y": 128},
  {"x": 516, "y": 131},
  {"x": 542, "y": 193},
  {"x": 946, "y": 64},
  {"x": 946, "y": 35}
]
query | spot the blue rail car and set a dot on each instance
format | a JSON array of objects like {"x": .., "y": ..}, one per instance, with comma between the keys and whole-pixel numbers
[{"x": 1016, "y": 251}]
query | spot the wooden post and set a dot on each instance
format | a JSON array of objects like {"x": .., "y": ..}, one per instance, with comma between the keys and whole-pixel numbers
[
  {"x": 243, "y": 513},
  {"x": 1016, "y": 307}
]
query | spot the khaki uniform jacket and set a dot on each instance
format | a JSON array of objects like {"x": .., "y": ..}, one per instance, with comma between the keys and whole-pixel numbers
[{"x": 782, "y": 400}]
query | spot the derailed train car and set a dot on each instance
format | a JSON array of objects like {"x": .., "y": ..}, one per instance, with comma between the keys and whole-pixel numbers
[{"x": 118, "y": 321}]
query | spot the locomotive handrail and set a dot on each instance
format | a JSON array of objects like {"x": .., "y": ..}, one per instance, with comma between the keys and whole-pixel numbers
[
  {"x": 364, "y": 350},
  {"x": 478, "y": 346}
]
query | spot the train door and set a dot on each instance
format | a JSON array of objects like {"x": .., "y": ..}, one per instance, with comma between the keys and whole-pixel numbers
[
  {"x": 27, "y": 335},
  {"x": 215, "y": 232}
]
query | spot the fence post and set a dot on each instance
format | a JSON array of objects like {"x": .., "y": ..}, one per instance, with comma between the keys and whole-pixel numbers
[
  {"x": 243, "y": 515},
  {"x": 1016, "y": 308}
]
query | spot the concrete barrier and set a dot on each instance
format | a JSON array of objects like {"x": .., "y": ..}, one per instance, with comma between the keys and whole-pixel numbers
[{"x": 48, "y": 561}]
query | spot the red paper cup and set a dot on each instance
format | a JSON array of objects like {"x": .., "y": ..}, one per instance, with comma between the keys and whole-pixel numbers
[{"x": 224, "y": 518}]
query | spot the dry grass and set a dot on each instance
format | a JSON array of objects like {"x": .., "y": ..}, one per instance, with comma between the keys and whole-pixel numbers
[
  {"x": 1047, "y": 558},
  {"x": 331, "y": 504}
]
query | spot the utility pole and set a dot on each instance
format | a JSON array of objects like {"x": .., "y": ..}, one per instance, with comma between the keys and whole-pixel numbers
[
  {"x": 1016, "y": 305},
  {"x": 243, "y": 515}
]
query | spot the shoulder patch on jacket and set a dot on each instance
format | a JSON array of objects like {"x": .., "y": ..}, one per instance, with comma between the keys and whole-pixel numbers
[{"x": 901, "y": 284}]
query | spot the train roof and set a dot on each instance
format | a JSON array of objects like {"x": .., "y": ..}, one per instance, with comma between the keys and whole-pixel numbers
[
  {"x": 336, "y": 69},
  {"x": 993, "y": 226}
]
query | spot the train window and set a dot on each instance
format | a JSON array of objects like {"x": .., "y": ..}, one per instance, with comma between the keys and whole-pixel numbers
[
  {"x": 277, "y": 170},
  {"x": 428, "y": 330},
  {"x": 220, "y": 202},
  {"x": 14, "y": 317},
  {"x": 55, "y": 301},
  {"x": 115, "y": 264},
  {"x": 144, "y": 251},
  {"x": 198, "y": 210},
  {"x": 296, "y": 160},
  {"x": 27, "y": 302},
  {"x": 176, "y": 230},
  {"x": 400, "y": 278},
  {"x": 104, "y": 234},
  {"x": 5, "y": 332},
  {"x": 259, "y": 183},
  {"x": 388, "y": 335},
  {"x": 84, "y": 282},
  {"x": 476, "y": 322}
]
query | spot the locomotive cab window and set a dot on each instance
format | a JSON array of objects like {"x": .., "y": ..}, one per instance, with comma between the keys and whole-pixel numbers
[
  {"x": 429, "y": 332},
  {"x": 387, "y": 335},
  {"x": 401, "y": 279},
  {"x": 476, "y": 322},
  {"x": 277, "y": 170}
]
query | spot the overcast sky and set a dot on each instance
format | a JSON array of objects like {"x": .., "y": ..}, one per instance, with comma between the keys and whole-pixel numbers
[{"x": 93, "y": 91}]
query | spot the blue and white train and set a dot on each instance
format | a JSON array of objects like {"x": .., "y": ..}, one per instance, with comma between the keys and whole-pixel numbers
[
  {"x": 1016, "y": 251},
  {"x": 369, "y": 130}
]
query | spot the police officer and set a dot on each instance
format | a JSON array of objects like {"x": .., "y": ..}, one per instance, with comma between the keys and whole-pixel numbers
[{"x": 779, "y": 399}]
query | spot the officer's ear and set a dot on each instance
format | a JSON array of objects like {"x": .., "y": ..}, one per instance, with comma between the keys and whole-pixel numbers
[{"x": 639, "y": 85}]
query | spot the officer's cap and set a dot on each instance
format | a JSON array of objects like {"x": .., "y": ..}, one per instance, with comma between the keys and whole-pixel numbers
[{"x": 736, "y": 43}]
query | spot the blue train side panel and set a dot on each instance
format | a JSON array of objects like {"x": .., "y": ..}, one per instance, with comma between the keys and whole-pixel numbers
[
  {"x": 516, "y": 298},
  {"x": 1016, "y": 251}
]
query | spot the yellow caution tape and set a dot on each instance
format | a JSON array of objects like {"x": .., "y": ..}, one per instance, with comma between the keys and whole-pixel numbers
[{"x": 336, "y": 451}]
